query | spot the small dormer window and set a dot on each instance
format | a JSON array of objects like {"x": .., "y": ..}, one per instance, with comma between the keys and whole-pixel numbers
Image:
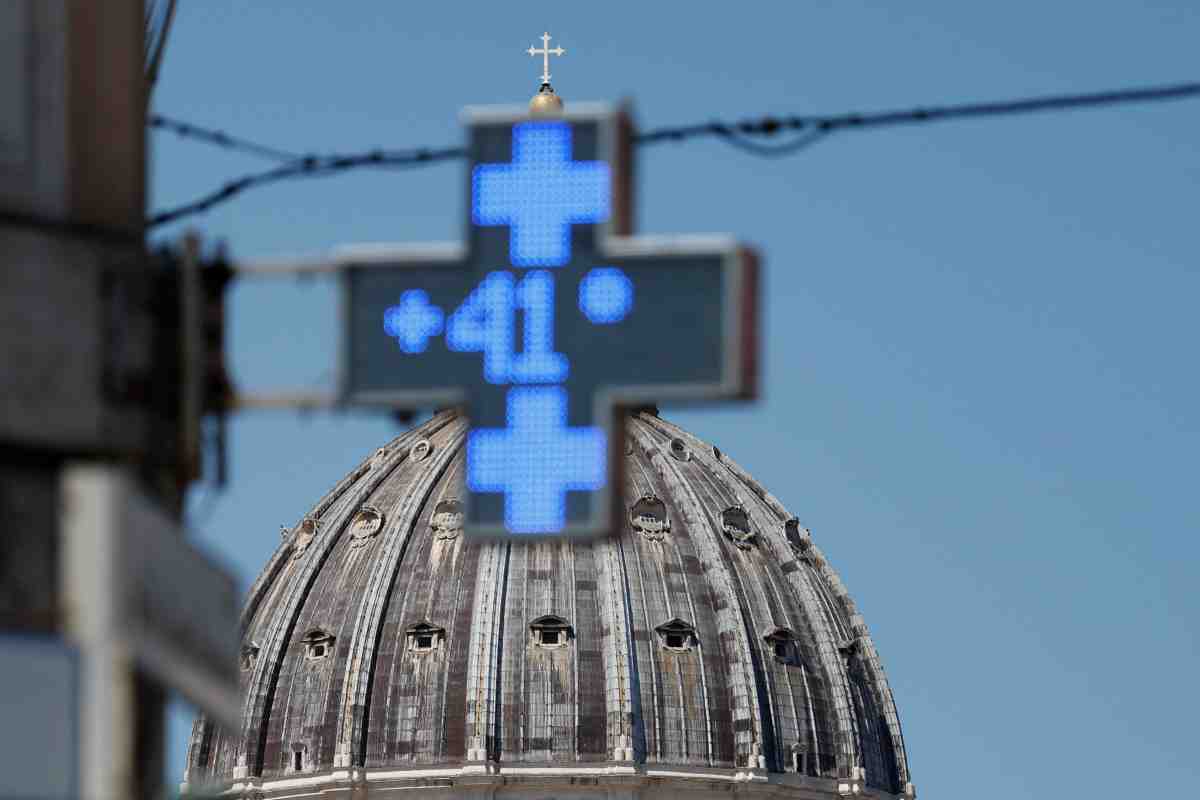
[
  {"x": 249, "y": 656},
  {"x": 677, "y": 636},
  {"x": 849, "y": 648},
  {"x": 425, "y": 637},
  {"x": 298, "y": 753},
  {"x": 649, "y": 518},
  {"x": 551, "y": 631},
  {"x": 798, "y": 537},
  {"x": 799, "y": 759},
  {"x": 735, "y": 522},
  {"x": 782, "y": 642},
  {"x": 318, "y": 644}
]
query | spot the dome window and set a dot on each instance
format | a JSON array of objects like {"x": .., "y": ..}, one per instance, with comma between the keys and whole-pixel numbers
[
  {"x": 649, "y": 518},
  {"x": 679, "y": 450},
  {"x": 249, "y": 656},
  {"x": 425, "y": 637},
  {"x": 447, "y": 520},
  {"x": 303, "y": 534},
  {"x": 735, "y": 522},
  {"x": 318, "y": 644},
  {"x": 677, "y": 636},
  {"x": 551, "y": 631},
  {"x": 782, "y": 642},
  {"x": 365, "y": 525},
  {"x": 420, "y": 450}
]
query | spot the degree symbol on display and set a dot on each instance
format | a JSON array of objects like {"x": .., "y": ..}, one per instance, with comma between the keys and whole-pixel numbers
[{"x": 605, "y": 295}]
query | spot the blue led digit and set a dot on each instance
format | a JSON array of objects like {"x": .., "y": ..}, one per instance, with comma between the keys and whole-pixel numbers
[
  {"x": 484, "y": 324},
  {"x": 536, "y": 459},
  {"x": 413, "y": 321},
  {"x": 540, "y": 194},
  {"x": 538, "y": 363},
  {"x": 605, "y": 295}
]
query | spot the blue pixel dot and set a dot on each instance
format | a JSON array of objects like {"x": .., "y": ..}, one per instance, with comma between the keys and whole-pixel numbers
[
  {"x": 413, "y": 321},
  {"x": 606, "y": 295}
]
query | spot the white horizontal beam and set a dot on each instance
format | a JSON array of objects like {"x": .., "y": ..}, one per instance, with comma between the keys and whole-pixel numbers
[{"x": 301, "y": 400}]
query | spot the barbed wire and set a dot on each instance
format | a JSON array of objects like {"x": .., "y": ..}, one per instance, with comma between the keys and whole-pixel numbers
[
  {"x": 811, "y": 130},
  {"x": 307, "y": 167},
  {"x": 769, "y": 125},
  {"x": 186, "y": 130}
]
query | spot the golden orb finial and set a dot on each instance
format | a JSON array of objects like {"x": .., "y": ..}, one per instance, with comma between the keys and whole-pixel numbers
[{"x": 545, "y": 101}]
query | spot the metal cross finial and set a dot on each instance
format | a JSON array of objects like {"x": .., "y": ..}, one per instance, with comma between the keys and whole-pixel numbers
[{"x": 545, "y": 52}]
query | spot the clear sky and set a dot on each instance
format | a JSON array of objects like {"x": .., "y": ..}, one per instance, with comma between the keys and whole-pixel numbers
[{"x": 980, "y": 337}]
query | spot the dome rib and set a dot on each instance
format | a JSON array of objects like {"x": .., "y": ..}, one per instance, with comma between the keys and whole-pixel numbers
[
  {"x": 642, "y": 596},
  {"x": 828, "y": 581},
  {"x": 413, "y": 694},
  {"x": 845, "y": 751},
  {"x": 487, "y": 636},
  {"x": 747, "y": 713},
  {"x": 257, "y": 716},
  {"x": 619, "y": 663},
  {"x": 361, "y": 662},
  {"x": 760, "y": 600},
  {"x": 716, "y": 728}
]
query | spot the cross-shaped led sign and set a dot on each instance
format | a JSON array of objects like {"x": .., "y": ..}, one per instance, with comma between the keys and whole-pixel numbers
[{"x": 549, "y": 322}]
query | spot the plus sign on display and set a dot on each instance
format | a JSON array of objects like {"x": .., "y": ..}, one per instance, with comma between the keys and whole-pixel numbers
[{"x": 549, "y": 322}]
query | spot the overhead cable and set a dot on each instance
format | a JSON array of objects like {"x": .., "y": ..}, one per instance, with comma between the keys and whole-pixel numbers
[
  {"x": 187, "y": 130},
  {"x": 308, "y": 167},
  {"x": 810, "y": 130}
]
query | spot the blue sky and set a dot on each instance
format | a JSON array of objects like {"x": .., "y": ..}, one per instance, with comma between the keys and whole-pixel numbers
[{"x": 980, "y": 365}]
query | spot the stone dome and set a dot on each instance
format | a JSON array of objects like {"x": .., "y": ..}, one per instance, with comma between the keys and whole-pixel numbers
[{"x": 708, "y": 647}]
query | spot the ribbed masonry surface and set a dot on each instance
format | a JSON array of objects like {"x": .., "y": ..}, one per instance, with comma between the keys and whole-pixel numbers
[{"x": 710, "y": 633}]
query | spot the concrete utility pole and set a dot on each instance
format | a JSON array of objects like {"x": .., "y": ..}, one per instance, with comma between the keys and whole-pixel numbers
[
  {"x": 72, "y": 204},
  {"x": 93, "y": 455}
]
